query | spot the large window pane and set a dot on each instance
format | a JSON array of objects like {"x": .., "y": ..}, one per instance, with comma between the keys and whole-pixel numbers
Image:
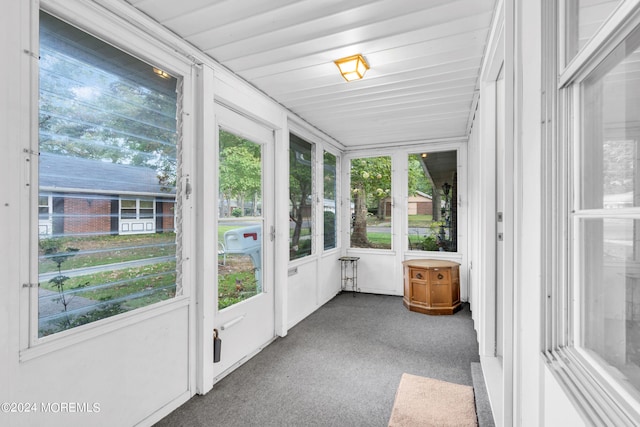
[
  {"x": 300, "y": 197},
  {"x": 584, "y": 17},
  {"x": 610, "y": 309},
  {"x": 610, "y": 144},
  {"x": 607, "y": 217},
  {"x": 107, "y": 128},
  {"x": 371, "y": 202},
  {"x": 240, "y": 224},
  {"x": 431, "y": 208},
  {"x": 330, "y": 201}
]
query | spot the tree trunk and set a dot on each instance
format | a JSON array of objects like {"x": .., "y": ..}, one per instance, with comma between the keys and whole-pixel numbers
[
  {"x": 228, "y": 207},
  {"x": 382, "y": 209},
  {"x": 295, "y": 239},
  {"x": 255, "y": 204},
  {"x": 359, "y": 236}
]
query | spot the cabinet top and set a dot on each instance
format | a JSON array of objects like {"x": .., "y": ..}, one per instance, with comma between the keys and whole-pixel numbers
[{"x": 429, "y": 263}]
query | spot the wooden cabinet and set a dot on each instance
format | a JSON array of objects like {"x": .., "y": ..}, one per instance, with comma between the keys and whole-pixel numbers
[{"x": 431, "y": 286}]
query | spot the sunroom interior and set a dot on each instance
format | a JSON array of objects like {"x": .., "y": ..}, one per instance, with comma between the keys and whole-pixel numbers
[{"x": 180, "y": 171}]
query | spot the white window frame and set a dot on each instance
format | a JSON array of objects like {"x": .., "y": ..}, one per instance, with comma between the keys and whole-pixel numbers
[
  {"x": 599, "y": 396},
  {"x": 48, "y": 223},
  {"x": 320, "y": 144},
  {"x": 405, "y": 206},
  {"x": 126, "y": 225},
  {"x": 130, "y": 36},
  {"x": 315, "y": 192},
  {"x": 320, "y": 188},
  {"x": 346, "y": 214}
]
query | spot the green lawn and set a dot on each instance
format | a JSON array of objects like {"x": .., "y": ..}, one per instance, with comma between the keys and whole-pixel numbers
[
  {"x": 120, "y": 283},
  {"x": 102, "y": 250},
  {"x": 380, "y": 240},
  {"x": 114, "y": 292},
  {"x": 235, "y": 286},
  {"x": 420, "y": 221},
  {"x": 223, "y": 229}
]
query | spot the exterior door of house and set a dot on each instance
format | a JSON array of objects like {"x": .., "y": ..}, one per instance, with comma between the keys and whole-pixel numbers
[{"x": 245, "y": 310}]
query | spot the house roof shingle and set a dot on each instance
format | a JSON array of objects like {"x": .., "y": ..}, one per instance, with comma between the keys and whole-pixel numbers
[{"x": 88, "y": 175}]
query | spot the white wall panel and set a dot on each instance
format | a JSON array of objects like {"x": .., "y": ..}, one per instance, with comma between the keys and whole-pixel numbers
[
  {"x": 302, "y": 291},
  {"x": 15, "y": 133},
  {"x": 379, "y": 272},
  {"x": 129, "y": 373},
  {"x": 328, "y": 277},
  {"x": 311, "y": 284}
]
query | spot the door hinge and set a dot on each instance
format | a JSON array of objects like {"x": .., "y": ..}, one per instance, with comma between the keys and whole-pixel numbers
[
  {"x": 272, "y": 233},
  {"x": 30, "y": 285}
]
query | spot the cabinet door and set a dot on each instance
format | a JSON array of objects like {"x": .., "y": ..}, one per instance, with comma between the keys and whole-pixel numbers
[
  {"x": 419, "y": 286},
  {"x": 440, "y": 282},
  {"x": 419, "y": 292}
]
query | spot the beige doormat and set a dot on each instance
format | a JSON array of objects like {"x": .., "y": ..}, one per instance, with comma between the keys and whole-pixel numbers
[{"x": 426, "y": 402}]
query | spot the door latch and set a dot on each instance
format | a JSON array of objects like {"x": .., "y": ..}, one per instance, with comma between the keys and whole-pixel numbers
[{"x": 217, "y": 346}]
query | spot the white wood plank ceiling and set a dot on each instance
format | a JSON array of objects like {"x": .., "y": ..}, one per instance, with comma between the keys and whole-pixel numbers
[{"x": 425, "y": 58}]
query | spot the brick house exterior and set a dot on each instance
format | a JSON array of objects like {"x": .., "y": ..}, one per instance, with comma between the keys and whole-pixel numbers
[{"x": 76, "y": 206}]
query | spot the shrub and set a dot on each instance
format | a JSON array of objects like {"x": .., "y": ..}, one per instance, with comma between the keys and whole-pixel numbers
[{"x": 429, "y": 243}]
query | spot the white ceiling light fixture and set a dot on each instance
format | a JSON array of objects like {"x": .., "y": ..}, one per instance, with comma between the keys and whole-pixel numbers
[
  {"x": 161, "y": 73},
  {"x": 352, "y": 67}
]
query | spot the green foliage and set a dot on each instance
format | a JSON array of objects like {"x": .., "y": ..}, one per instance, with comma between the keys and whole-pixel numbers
[
  {"x": 240, "y": 169},
  {"x": 429, "y": 243},
  {"x": 50, "y": 245},
  {"x": 301, "y": 250},
  {"x": 51, "y": 248},
  {"x": 373, "y": 176},
  {"x": 330, "y": 170},
  {"x": 89, "y": 111},
  {"x": 329, "y": 230},
  {"x": 370, "y": 185},
  {"x": 82, "y": 319},
  {"x": 418, "y": 180},
  {"x": 300, "y": 188}
]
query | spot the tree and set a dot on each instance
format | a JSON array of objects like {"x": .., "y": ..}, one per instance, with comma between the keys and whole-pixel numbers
[
  {"x": 370, "y": 185},
  {"x": 92, "y": 110},
  {"x": 240, "y": 171},
  {"x": 418, "y": 180},
  {"x": 330, "y": 184},
  {"x": 300, "y": 185}
]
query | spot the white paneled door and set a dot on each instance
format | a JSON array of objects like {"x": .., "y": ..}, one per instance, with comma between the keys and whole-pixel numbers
[{"x": 244, "y": 314}]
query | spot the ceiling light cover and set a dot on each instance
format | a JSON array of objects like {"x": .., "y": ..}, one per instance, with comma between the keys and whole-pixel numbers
[
  {"x": 161, "y": 73},
  {"x": 352, "y": 67}
]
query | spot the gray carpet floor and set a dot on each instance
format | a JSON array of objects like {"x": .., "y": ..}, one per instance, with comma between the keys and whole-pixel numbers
[{"x": 340, "y": 366}]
